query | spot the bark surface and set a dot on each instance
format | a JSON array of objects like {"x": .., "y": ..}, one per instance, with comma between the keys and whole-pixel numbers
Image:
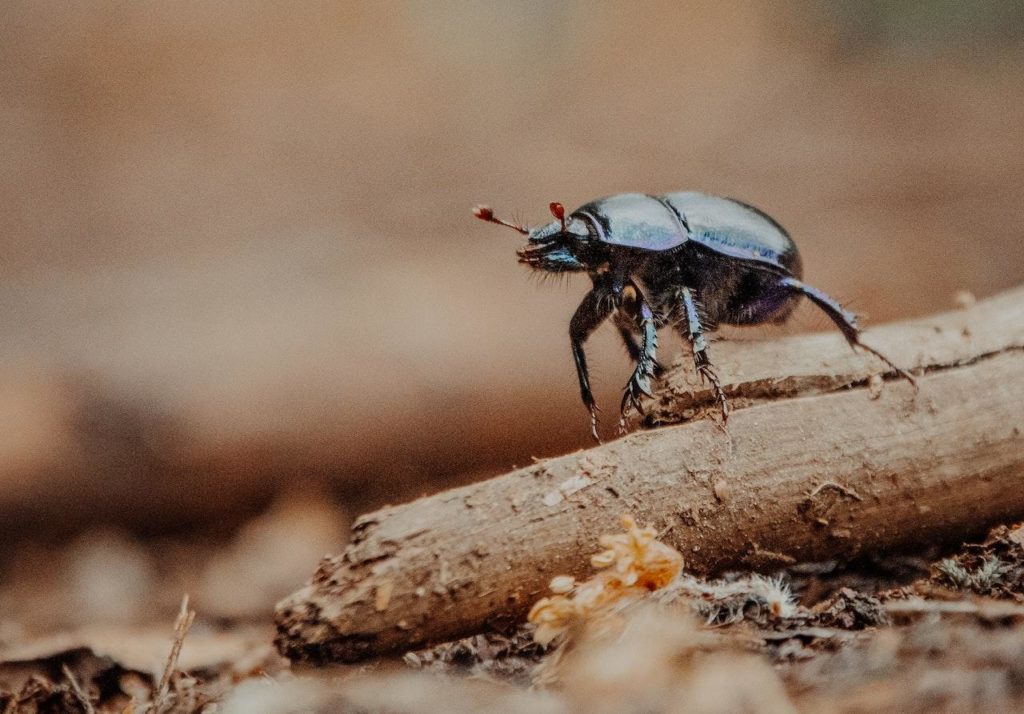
[{"x": 822, "y": 460}]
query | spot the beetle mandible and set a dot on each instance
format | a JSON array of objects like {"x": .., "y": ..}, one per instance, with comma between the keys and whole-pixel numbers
[{"x": 690, "y": 260}]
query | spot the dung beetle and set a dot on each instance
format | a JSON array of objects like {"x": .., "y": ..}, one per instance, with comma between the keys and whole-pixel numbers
[{"x": 690, "y": 260}]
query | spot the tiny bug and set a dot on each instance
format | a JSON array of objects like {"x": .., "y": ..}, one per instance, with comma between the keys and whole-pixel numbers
[{"x": 689, "y": 260}]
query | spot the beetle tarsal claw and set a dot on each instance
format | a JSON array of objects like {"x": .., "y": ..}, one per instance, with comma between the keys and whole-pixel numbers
[
  {"x": 900, "y": 372},
  {"x": 593, "y": 424},
  {"x": 631, "y": 397}
]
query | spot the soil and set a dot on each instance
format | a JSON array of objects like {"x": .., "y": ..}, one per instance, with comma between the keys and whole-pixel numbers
[{"x": 926, "y": 632}]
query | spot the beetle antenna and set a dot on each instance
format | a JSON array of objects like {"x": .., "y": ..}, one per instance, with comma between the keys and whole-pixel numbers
[
  {"x": 558, "y": 211},
  {"x": 484, "y": 213}
]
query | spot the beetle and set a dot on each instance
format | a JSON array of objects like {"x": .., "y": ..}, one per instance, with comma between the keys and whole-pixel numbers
[{"x": 690, "y": 260}]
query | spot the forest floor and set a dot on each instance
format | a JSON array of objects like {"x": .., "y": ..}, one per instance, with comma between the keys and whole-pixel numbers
[{"x": 913, "y": 632}]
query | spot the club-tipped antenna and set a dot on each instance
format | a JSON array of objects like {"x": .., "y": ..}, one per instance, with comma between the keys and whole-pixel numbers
[
  {"x": 484, "y": 213},
  {"x": 558, "y": 211}
]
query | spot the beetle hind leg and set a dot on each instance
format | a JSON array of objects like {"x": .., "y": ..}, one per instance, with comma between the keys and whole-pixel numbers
[
  {"x": 846, "y": 321},
  {"x": 692, "y": 330}
]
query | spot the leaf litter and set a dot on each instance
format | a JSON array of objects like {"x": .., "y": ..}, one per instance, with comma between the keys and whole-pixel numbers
[{"x": 641, "y": 634}]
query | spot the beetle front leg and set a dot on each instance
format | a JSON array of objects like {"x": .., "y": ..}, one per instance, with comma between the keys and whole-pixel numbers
[
  {"x": 845, "y": 320},
  {"x": 594, "y": 309},
  {"x": 691, "y": 329},
  {"x": 639, "y": 383}
]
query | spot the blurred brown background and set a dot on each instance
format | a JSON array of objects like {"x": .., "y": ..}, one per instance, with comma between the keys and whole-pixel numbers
[{"x": 238, "y": 258}]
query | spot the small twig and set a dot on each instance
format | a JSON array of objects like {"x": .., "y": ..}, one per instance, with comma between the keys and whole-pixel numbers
[
  {"x": 987, "y": 609},
  {"x": 807, "y": 443},
  {"x": 845, "y": 490},
  {"x": 181, "y": 627},
  {"x": 76, "y": 689}
]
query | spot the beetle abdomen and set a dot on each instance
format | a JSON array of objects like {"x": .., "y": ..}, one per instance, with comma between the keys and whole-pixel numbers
[{"x": 735, "y": 229}]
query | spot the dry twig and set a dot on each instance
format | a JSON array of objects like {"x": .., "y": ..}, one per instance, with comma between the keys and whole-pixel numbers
[
  {"x": 812, "y": 468},
  {"x": 181, "y": 626},
  {"x": 76, "y": 689}
]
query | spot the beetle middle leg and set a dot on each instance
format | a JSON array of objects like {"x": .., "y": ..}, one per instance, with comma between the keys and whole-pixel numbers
[
  {"x": 692, "y": 330},
  {"x": 635, "y": 312},
  {"x": 631, "y": 333},
  {"x": 845, "y": 320},
  {"x": 593, "y": 310}
]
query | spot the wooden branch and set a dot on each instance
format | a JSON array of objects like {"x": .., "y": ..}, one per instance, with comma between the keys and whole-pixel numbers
[{"x": 817, "y": 464}]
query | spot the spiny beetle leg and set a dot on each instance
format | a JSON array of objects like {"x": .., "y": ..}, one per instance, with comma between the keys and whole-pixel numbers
[
  {"x": 846, "y": 321},
  {"x": 594, "y": 409},
  {"x": 694, "y": 333},
  {"x": 707, "y": 373},
  {"x": 631, "y": 398},
  {"x": 591, "y": 312},
  {"x": 899, "y": 370},
  {"x": 640, "y": 381},
  {"x": 629, "y": 332}
]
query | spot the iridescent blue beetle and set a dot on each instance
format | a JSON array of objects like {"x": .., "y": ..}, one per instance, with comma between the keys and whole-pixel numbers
[{"x": 686, "y": 259}]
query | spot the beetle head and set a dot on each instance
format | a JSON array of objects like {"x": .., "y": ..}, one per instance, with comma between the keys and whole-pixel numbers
[{"x": 558, "y": 247}]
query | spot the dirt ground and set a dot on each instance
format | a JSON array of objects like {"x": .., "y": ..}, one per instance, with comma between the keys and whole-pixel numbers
[
  {"x": 919, "y": 633},
  {"x": 243, "y": 301}
]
